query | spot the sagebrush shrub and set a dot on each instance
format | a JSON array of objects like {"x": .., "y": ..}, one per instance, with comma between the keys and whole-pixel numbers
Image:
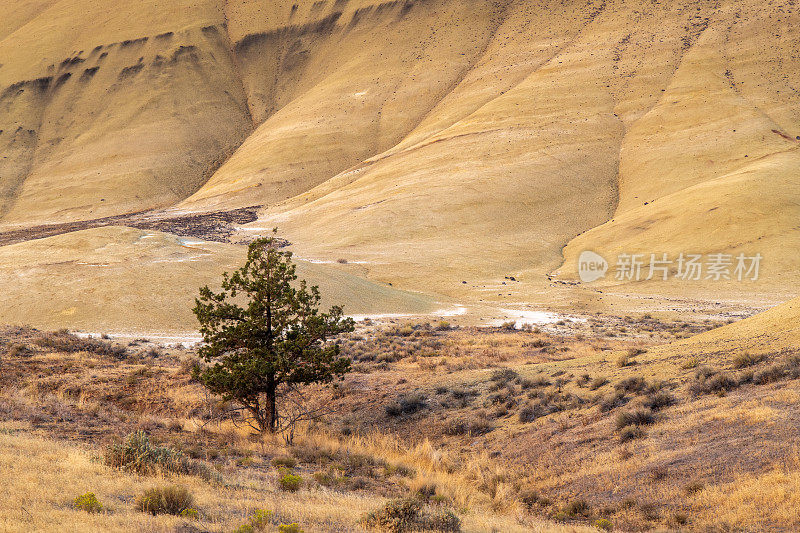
[
  {"x": 659, "y": 400},
  {"x": 138, "y": 454},
  {"x": 630, "y": 433},
  {"x": 636, "y": 417},
  {"x": 709, "y": 380},
  {"x": 409, "y": 514},
  {"x": 290, "y": 482},
  {"x": 577, "y": 508},
  {"x": 286, "y": 461},
  {"x": 745, "y": 359},
  {"x": 632, "y": 384},
  {"x": 172, "y": 500},
  {"x": 87, "y": 502},
  {"x": 64, "y": 341},
  {"x": 406, "y": 405}
]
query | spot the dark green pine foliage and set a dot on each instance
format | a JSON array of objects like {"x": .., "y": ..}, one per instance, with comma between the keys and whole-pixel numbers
[{"x": 264, "y": 334}]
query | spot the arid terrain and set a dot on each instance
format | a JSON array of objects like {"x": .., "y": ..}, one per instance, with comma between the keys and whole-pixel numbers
[
  {"x": 641, "y": 422},
  {"x": 440, "y": 146},
  {"x": 439, "y": 168}
]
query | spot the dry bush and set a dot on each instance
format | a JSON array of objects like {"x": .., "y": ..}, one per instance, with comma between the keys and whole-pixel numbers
[
  {"x": 746, "y": 359},
  {"x": 472, "y": 427},
  {"x": 406, "y": 405},
  {"x": 636, "y": 417},
  {"x": 64, "y": 341},
  {"x": 138, "y": 454},
  {"x": 409, "y": 514},
  {"x": 597, "y": 382},
  {"x": 165, "y": 500},
  {"x": 709, "y": 380}
]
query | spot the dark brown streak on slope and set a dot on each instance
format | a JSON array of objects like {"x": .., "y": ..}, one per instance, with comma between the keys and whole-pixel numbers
[
  {"x": 236, "y": 66},
  {"x": 211, "y": 226}
]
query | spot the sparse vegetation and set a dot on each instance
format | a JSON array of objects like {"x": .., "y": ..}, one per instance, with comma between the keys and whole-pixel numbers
[
  {"x": 510, "y": 393},
  {"x": 290, "y": 482},
  {"x": 88, "y": 502},
  {"x": 172, "y": 500},
  {"x": 709, "y": 380},
  {"x": 410, "y": 514},
  {"x": 138, "y": 454}
]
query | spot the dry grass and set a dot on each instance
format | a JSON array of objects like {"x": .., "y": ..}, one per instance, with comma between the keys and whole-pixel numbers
[{"x": 468, "y": 445}]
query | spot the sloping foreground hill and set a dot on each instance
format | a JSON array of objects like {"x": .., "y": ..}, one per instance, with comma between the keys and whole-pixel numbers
[
  {"x": 508, "y": 427},
  {"x": 695, "y": 435}
]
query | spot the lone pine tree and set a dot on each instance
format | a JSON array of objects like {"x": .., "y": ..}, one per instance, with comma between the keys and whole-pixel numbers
[{"x": 264, "y": 333}]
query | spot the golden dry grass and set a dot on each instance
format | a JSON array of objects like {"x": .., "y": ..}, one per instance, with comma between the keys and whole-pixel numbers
[{"x": 508, "y": 471}]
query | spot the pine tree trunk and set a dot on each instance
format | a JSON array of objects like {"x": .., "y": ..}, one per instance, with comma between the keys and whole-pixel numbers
[{"x": 272, "y": 411}]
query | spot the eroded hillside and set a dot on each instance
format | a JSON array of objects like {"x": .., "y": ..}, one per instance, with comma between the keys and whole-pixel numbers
[{"x": 441, "y": 145}]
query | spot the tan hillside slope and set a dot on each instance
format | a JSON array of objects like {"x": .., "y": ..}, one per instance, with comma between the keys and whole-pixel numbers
[
  {"x": 568, "y": 111},
  {"x": 129, "y": 280},
  {"x": 713, "y": 167},
  {"x": 772, "y": 331},
  {"x": 108, "y": 108},
  {"x": 435, "y": 142}
]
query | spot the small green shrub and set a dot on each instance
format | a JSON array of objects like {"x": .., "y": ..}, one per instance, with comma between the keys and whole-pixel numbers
[
  {"x": 260, "y": 518},
  {"x": 194, "y": 514},
  {"x": 290, "y": 528},
  {"x": 87, "y": 502},
  {"x": 290, "y": 482},
  {"x": 172, "y": 500},
  {"x": 258, "y": 521},
  {"x": 603, "y": 524}
]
